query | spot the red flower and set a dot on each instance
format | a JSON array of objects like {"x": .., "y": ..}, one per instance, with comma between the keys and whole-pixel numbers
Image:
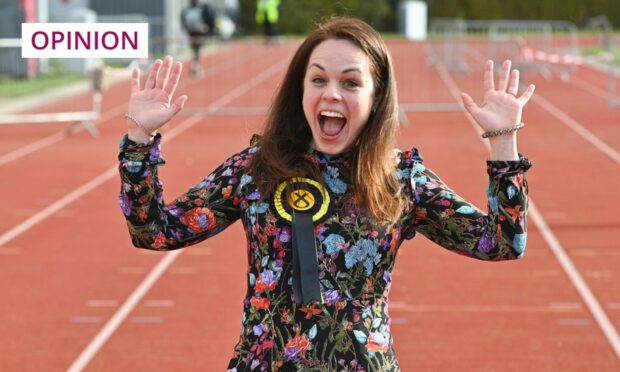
[
  {"x": 260, "y": 287},
  {"x": 160, "y": 240},
  {"x": 296, "y": 346},
  {"x": 259, "y": 303},
  {"x": 310, "y": 311},
  {"x": 199, "y": 219}
]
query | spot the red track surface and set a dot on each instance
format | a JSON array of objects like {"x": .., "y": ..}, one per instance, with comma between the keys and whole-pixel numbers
[{"x": 64, "y": 277}]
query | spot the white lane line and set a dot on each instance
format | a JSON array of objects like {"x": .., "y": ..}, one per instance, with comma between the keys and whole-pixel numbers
[
  {"x": 592, "y": 89},
  {"x": 569, "y": 122},
  {"x": 56, "y": 206},
  {"x": 112, "y": 171},
  {"x": 117, "y": 319},
  {"x": 577, "y": 128},
  {"x": 108, "y": 115},
  {"x": 553, "y": 243}
]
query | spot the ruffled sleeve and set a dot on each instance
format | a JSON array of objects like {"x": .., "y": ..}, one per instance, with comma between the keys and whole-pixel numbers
[
  {"x": 200, "y": 213},
  {"x": 444, "y": 217}
]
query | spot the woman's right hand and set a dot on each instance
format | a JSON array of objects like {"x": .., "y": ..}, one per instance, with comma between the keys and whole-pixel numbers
[{"x": 150, "y": 105}]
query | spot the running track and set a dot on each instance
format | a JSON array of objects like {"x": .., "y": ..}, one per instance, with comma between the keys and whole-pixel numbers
[{"x": 77, "y": 295}]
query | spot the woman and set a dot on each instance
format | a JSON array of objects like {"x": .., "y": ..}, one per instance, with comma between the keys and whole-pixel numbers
[{"x": 325, "y": 200}]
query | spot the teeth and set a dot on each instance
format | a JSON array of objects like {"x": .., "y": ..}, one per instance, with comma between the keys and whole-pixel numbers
[{"x": 332, "y": 114}]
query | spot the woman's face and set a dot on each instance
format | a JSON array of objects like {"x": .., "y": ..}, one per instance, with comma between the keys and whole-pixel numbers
[{"x": 338, "y": 95}]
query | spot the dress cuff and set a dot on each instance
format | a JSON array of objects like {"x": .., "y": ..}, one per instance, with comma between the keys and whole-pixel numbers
[
  {"x": 502, "y": 168},
  {"x": 144, "y": 153}
]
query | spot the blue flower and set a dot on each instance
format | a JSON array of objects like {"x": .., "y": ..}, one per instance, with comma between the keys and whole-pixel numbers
[
  {"x": 331, "y": 296},
  {"x": 465, "y": 209},
  {"x": 258, "y": 330},
  {"x": 333, "y": 181},
  {"x": 312, "y": 332},
  {"x": 364, "y": 251},
  {"x": 245, "y": 179},
  {"x": 493, "y": 202},
  {"x": 511, "y": 191},
  {"x": 360, "y": 336},
  {"x": 333, "y": 243},
  {"x": 403, "y": 174},
  {"x": 268, "y": 277},
  {"x": 518, "y": 243}
]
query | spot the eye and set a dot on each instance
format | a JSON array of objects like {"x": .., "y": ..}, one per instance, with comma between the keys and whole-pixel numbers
[
  {"x": 318, "y": 80},
  {"x": 351, "y": 84}
]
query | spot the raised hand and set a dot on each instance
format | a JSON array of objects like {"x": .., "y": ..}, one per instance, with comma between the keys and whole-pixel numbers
[
  {"x": 501, "y": 108},
  {"x": 150, "y": 106}
]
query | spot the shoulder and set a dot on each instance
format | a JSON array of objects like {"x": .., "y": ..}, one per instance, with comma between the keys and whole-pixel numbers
[{"x": 406, "y": 159}]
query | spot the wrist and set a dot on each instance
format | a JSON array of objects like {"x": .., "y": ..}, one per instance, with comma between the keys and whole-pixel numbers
[
  {"x": 503, "y": 147},
  {"x": 136, "y": 134}
]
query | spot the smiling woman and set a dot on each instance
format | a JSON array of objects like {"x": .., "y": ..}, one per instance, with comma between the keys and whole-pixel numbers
[{"x": 325, "y": 199}]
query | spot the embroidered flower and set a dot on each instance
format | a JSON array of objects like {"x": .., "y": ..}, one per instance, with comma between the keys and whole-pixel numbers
[
  {"x": 199, "y": 219},
  {"x": 296, "y": 347}
]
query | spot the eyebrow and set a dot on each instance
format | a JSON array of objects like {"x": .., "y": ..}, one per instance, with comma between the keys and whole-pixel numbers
[{"x": 351, "y": 69}]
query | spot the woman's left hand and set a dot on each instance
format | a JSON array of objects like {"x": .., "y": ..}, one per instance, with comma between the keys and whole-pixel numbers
[{"x": 501, "y": 107}]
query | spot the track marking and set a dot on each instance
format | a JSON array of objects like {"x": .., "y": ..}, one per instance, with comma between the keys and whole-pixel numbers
[
  {"x": 574, "y": 322},
  {"x": 577, "y": 128},
  {"x": 553, "y": 243},
  {"x": 102, "y": 303},
  {"x": 159, "y": 303},
  {"x": 553, "y": 110},
  {"x": 86, "y": 319},
  {"x": 141, "y": 319},
  {"x": 112, "y": 171},
  {"x": 117, "y": 319}
]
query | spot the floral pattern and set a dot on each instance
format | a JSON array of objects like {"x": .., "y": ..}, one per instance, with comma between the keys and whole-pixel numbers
[{"x": 350, "y": 331}]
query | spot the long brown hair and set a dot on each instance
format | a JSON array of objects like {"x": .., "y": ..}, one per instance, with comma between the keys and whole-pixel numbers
[{"x": 287, "y": 134}]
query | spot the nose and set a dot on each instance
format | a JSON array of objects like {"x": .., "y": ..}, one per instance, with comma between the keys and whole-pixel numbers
[{"x": 332, "y": 92}]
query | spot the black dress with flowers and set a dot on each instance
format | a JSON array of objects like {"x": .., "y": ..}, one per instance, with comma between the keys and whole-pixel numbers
[{"x": 350, "y": 330}]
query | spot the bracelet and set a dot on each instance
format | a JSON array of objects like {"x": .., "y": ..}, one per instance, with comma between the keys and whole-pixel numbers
[
  {"x": 130, "y": 117},
  {"x": 500, "y": 132}
]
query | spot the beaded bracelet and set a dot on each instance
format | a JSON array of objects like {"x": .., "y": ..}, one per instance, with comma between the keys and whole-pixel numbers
[
  {"x": 499, "y": 132},
  {"x": 130, "y": 117}
]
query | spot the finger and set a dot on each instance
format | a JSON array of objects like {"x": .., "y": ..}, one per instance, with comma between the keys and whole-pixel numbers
[
  {"x": 513, "y": 86},
  {"x": 173, "y": 81},
  {"x": 503, "y": 76},
  {"x": 525, "y": 97},
  {"x": 489, "y": 83},
  {"x": 164, "y": 72},
  {"x": 135, "y": 80},
  {"x": 178, "y": 104},
  {"x": 469, "y": 104},
  {"x": 150, "y": 81}
]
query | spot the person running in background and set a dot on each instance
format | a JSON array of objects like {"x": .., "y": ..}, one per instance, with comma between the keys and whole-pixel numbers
[
  {"x": 198, "y": 20},
  {"x": 267, "y": 15}
]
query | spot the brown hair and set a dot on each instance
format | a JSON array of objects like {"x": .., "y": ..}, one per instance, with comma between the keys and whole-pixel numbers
[{"x": 287, "y": 134}]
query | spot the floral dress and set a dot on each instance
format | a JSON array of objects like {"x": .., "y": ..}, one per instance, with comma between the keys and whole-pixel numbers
[{"x": 350, "y": 329}]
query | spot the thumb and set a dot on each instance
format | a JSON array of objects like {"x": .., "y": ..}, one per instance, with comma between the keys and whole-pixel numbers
[
  {"x": 178, "y": 104},
  {"x": 469, "y": 104}
]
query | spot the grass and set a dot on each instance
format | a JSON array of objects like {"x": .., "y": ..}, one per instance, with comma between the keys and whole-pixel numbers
[
  {"x": 11, "y": 88},
  {"x": 590, "y": 51}
]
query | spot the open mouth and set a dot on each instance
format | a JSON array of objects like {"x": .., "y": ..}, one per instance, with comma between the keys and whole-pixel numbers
[{"x": 331, "y": 123}]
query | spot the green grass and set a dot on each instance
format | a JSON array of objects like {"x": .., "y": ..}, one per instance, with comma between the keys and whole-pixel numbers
[
  {"x": 590, "y": 51},
  {"x": 11, "y": 88}
]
